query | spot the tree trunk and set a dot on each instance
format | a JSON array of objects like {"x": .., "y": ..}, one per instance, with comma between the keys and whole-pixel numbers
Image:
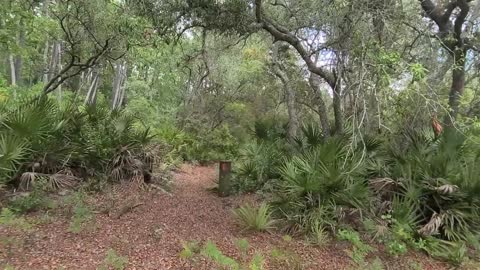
[
  {"x": 60, "y": 67},
  {"x": 46, "y": 70},
  {"x": 457, "y": 87},
  {"x": 279, "y": 71},
  {"x": 322, "y": 108},
  {"x": 337, "y": 108},
  {"x": 18, "y": 69},
  {"x": 280, "y": 33},
  {"x": 45, "y": 74},
  {"x": 53, "y": 63},
  {"x": 224, "y": 178},
  {"x": 18, "y": 58},
  {"x": 13, "y": 78},
  {"x": 451, "y": 27},
  {"x": 292, "y": 112},
  {"x": 94, "y": 78},
  {"x": 118, "y": 86}
]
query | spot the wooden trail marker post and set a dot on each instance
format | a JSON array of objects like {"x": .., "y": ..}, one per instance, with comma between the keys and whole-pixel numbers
[{"x": 224, "y": 178}]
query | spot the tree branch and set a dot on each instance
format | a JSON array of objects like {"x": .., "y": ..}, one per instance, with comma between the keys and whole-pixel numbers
[
  {"x": 460, "y": 20},
  {"x": 281, "y": 33},
  {"x": 62, "y": 76}
]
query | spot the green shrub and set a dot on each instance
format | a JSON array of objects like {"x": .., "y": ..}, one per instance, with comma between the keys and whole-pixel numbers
[
  {"x": 243, "y": 246},
  {"x": 434, "y": 185},
  {"x": 360, "y": 249},
  {"x": 189, "y": 249},
  {"x": 311, "y": 136},
  {"x": 81, "y": 213},
  {"x": 177, "y": 142},
  {"x": 318, "y": 235},
  {"x": 9, "y": 218},
  {"x": 317, "y": 182},
  {"x": 269, "y": 129},
  {"x": 40, "y": 137},
  {"x": 454, "y": 252},
  {"x": 254, "y": 218},
  {"x": 213, "y": 253},
  {"x": 257, "y": 164},
  {"x": 376, "y": 264},
  {"x": 396, "y": 248},
  {"x": 285, "y": 259},
  {"x": 211, "y": 145},
  {"x": 32, "y": 201},
  {"x": 114, "y": 261}
]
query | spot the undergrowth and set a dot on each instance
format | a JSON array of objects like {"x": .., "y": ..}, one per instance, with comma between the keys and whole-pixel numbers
[
  {"x": 254, "y": 218},
  {"x": 113, "y": 261}
]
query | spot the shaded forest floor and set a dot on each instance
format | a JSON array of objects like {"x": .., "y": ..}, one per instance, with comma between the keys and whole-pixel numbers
[{"x": 150, "y": 234}]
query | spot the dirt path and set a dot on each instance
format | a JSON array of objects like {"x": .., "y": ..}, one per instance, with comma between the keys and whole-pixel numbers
[{"x": 151, "y": 235}]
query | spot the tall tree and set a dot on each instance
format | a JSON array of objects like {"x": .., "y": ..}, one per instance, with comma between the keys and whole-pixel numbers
[
  {"x": 332, "y": 77},
  {"x": 452, "y": 33}
]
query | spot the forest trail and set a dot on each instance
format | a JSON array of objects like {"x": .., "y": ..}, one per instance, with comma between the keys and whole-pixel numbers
[{"x": 150, "y": 236}]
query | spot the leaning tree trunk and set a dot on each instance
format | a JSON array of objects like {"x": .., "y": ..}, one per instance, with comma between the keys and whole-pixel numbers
[{"x": 93, "y": 80}]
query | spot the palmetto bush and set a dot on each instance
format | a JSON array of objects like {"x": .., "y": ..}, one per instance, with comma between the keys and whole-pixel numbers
[
  {"x": 40, "y": 138},
  {"x": 257, "y": 164},
  {"x": 311, "y": 136},
  {"x": 320, "y": 183},
  {"x": 110, "y": 142},
  {"x": 24, "y": 129},
  {"x": 435, "y": 185}
]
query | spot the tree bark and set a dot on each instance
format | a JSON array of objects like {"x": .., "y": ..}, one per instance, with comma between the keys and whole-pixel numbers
[
  {"x": 337, "y": 108},
  {"x": 457, "y": 87},
  {"x": 46, "y": 71},
  {"x": 292, "y": 112},
  {"x": 18, "y": 69},
  {"x": 279, "y": 71},
  {"x": 13, "y": 78},
  {"x": 91, "y": 97},
  {"x": 18, "y": 58},
  {"x": 118, "y": 86},
  {"x": 322, "y": 108},
  {"x": 60, "y": 67}
]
